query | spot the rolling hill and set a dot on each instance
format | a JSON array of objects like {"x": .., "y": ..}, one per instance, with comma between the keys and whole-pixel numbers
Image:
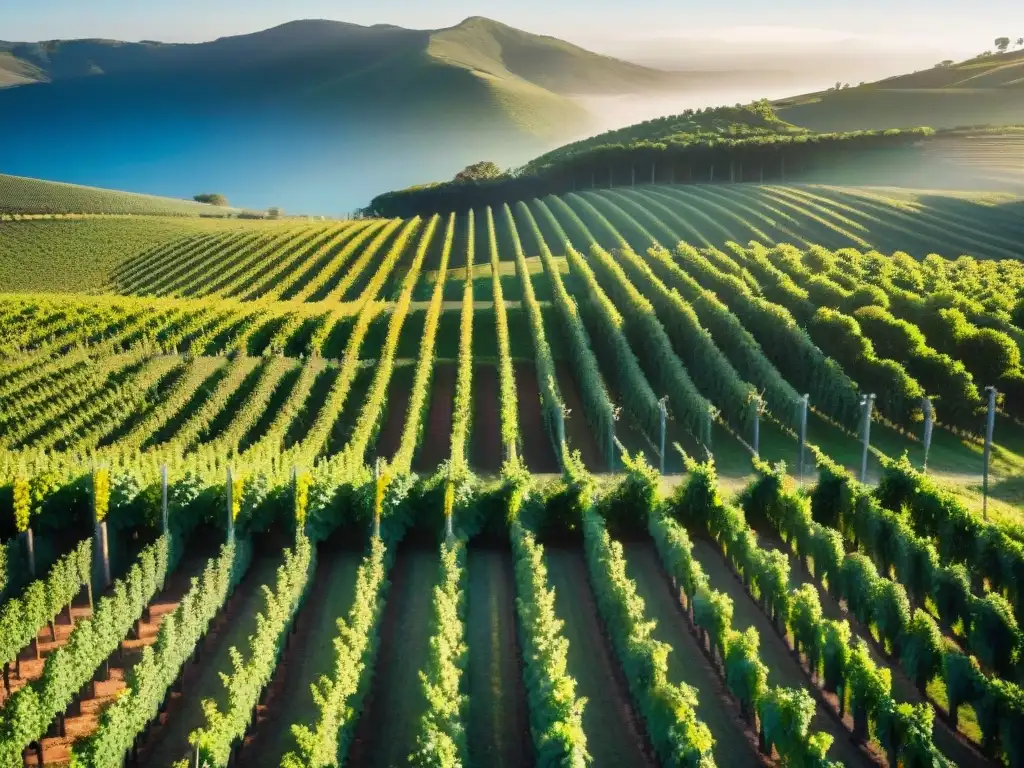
[
  {"x": 987, "y": 90},
  {"x": 480, "y": 65},
  {"x": 300, "y": 97}
]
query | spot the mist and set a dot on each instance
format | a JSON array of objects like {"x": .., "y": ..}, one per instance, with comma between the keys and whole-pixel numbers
[{"x": 612, "y": 112}]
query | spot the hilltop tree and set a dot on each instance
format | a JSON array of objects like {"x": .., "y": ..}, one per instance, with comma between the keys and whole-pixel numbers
[
  {"x": 1020, "y": 42},
  {"x": 481, "y": 171},
  {"x": 1002, "y": 43},
  {"x": 211, "y": 198}
]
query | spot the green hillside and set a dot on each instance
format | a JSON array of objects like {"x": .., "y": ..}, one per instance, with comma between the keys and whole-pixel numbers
[
  {"x": 19, "y": 195},
  {"x": 987, "y": 90},
  {"x": 477, "y": 70},
  {"x": 692, "y": 126}
]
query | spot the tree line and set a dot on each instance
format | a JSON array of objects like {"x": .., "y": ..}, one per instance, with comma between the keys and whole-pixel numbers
[{"x": 755, "y": 159}]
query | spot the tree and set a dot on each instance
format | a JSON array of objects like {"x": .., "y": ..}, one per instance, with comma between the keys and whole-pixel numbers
[
  {"x": 211, "y": 198},
  {"x": 1002, "y": 43},
  {"x": 481, "y": 171},
  {"x": 1020, "y": 42},
  {"x": 274, "y": 213},
  {"x": 945, "y": 64}
]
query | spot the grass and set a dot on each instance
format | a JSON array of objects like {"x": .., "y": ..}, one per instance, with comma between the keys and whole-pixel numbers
[
  {"x": 386, "y": 732},
  {"x": 497, "y": 725},
  {"x": 607, "y": 717},
  {"x": 20, "y": 195},
  {"x": 685, "y": 665},
  {"x": 171, "y": 741},
  {"x": 295, "y": 703}
]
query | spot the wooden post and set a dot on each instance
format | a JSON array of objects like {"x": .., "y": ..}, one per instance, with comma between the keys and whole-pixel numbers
[
  {"x": 30, "y": 550},
  {"x": 990, "y": 425},
  {"x": 102, "y": 544},
  {"x": 560, "y": 432},
  {"x": 929, "y": 423},
  {"x": 867, "y": 402},
  {"x": 231, "y": 506},
  {"x": 664, "y": 418},
  {"x": 758, "y": 406},
  {"x": 163, "y": 497},
  {"x": 803, "y": 435},
  {"x": 376, "y": 512}
]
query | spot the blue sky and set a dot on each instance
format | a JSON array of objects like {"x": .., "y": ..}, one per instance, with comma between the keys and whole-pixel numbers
[{"x": 894, "y": 23}]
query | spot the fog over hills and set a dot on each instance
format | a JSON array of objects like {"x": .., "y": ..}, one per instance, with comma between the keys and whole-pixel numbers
[
  {"x": 333, "y": 111},
  {"x": 319, "y": 116}
]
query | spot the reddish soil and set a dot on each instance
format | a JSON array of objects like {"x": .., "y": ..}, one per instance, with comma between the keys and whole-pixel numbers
[
  {"x": 538, "y": 452},
  {"x": 437, "y": 437},
  {"x": 395, "y": 413},
  {"x": 267, "y": 739},
  {"x": 485, "y": 453},
  {"x": 29, "y": 664},
  {"x": 167, "y": 739},
  {"x": 111, "y": 678},
  {"x": 577, "y": 431}
]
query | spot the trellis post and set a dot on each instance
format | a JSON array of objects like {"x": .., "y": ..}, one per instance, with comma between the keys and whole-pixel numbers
[
  {"x": 30, "y": 551},
  {"x": 560, "y": 434},
  {"x": 376, "y": 506},
  {"x": 758, "y": 408},
  {"x": 231, "y": 505},
  {"x": 664, "y": 418},
  {"x": 990, "y": 425},
  {"x": 164, "y": 516},
  {"x": 103, "y": 543},
  {"x": 867, "y": 402},
  {"x": 804, "y": 401},
  {"x": 929, "y": 423}
]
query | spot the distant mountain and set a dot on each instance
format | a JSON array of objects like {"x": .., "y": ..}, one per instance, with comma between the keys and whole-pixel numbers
[
  {"x": 480, "y": 67},
  {"x": 311, "y": 115},
  {"x": 986, "y": 90}
]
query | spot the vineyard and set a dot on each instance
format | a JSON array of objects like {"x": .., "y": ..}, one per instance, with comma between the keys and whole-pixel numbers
[
  {"x": 20, "y": 196},
  {"x": 576, "y": 480}
]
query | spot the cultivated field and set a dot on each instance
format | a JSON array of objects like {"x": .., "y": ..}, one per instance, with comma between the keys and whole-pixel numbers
[{"x": 413, "y": 505}]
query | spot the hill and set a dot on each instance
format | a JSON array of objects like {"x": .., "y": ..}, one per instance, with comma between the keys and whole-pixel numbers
[
  {"x": 299, "y": 97},
  {"x": 986, "y": 90},
  {"x": 757, "y": 119},
  {"x": 479, "y": 66},
  {"x": 19, "y": 195}
]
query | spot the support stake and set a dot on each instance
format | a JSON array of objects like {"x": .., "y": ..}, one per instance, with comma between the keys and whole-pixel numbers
[
  {"x": 376, "y": 511},
  {"x": 804, "y": 401},
  {"x": 30, "y": 551},
  {"x": 560, "y": 434},
  {"x": 664, "y": 418},
  {"x": 929, "y": 423},
  {"x": 758, "y": 408},
  {"x": 868, "y": 403},
  {"x": 990, "y": 425},
  {"x": 231, "y": 506},
  {"x": 163, "y": 498}
]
